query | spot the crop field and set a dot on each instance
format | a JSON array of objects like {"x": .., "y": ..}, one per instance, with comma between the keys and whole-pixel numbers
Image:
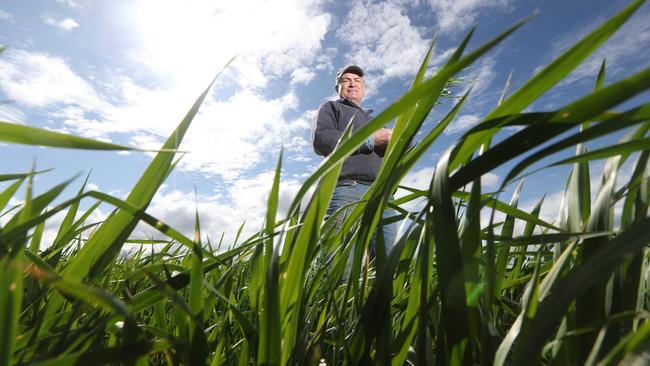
[{"x": 457, "y": 289}]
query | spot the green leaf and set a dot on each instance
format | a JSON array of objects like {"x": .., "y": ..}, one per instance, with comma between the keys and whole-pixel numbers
[
  {"x": 9, "y": 192},
  {"x": 26, "y": 135}
]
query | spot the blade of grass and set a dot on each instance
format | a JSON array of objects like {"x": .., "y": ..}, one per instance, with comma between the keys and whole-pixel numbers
[
  {"x": 269, "y": 342},
  {"x": 11, "y": 285},
  {"x": 9, "y": 192},
  {"x": 26, "y": 135},
  {"x": 292, "y": 280},
  {"x": 449, "y": 267},
  {"x": 595, "y": 269},
  {"x": 198, "y": 350},
  {"x": 503, "y": 253}
]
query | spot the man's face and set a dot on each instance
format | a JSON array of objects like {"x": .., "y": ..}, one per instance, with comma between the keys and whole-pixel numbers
[{"x": 352, "y": 86}]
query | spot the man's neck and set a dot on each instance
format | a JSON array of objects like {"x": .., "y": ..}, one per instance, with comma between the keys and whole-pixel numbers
[{"x": 353, "y": 102}]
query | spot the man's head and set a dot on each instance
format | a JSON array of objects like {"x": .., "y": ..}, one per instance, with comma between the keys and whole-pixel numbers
[{"x": 350, "y": 83}]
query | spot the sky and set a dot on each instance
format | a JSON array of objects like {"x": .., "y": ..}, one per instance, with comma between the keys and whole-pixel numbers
[{"x": 128, "y": 71}]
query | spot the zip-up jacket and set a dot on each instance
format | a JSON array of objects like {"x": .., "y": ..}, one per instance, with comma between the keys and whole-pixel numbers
[{"x": 331, "y": 121}]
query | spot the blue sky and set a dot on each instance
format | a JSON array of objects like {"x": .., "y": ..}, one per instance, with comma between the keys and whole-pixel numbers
[{"x": 127, "y": 71}]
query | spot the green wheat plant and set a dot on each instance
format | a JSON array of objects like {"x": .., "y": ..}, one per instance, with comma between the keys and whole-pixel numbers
[{"x": 458, "y": 289}]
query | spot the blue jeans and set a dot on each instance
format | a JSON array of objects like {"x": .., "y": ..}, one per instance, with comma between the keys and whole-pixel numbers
[{"x": 351, "y": 191}]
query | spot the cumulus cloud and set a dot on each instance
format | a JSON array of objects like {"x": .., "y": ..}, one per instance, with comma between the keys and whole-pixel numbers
[
  {"x": 421, "y": 179},
  {"x": 480, "y": 78},
  {"x": 456, "y": 15},
  {"x": 230, "y": 137},
  {"x": 222, "y": 212},
  {"x": 302, "y": 75},
  {"x": 418, "y": 179},
  {"x": 71, "y": 3},
  {"x": 490, "y": 180},
  {"x": 9, "y": 113},
  {"x": 208, "y": 34},
  {"x": 384, "y": 41},
  {"x": 462, "y": 124},
  {"x": 39, "y": 79},
  {"x": 6, "y": 16},
  {"x": 66, "y": 24},
  {"x": 227, "y": 137}
]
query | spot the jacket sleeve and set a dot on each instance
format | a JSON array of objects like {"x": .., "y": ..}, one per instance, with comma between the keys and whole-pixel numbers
[{"x": 326, "y": 132}]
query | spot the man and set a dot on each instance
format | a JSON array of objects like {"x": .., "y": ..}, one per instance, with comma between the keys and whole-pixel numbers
[{"x": 360, "y": 169}]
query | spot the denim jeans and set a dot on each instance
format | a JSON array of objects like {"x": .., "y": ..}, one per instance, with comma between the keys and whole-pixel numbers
[{"x": 351, "y": 191}]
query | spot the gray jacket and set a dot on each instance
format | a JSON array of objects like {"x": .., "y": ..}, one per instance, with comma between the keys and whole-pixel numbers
[{"x": 330, "y": 122}]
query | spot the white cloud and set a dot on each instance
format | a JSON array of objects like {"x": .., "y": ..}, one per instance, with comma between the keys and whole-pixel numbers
[
  {"x": 246, "y": 202},
  {"x": 66, "y": 24},
  {"x": 421, "y": 179},
  {"x": 70, "y": 3},
  {"x": 462, "y": 124},
  {"x": 296, "y": 144},
  {"x": 301, "y": 158},
  {"x": 302, "y": 75},
  {"x": 418, "y": 179},
  {"x": 226, "y": 138},
  {"x": 456, "y": 15},
  {"x": 271, "y": 39},
  {"x": 40, "y": 80},
  {"x": 235, "y": 135},
  {"x": 490, "y": 180},
  {"x": 92, "y": 187},
  {"x": 480, "y": 79},
  {"x": 383, "y": 41},
  {"x": 9, "y": 113},
  {"x": 6, "y": 16}
]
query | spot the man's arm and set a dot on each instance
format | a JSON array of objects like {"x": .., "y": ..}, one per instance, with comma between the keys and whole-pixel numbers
[{"x": 326, "y": 133}]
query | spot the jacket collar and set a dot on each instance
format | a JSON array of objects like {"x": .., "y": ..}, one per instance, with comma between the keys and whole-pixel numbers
[{"x": 350, "y": 103}]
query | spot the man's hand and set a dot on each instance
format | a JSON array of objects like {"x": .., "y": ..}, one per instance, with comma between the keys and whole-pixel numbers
[{"x": 382, "y": 138}]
